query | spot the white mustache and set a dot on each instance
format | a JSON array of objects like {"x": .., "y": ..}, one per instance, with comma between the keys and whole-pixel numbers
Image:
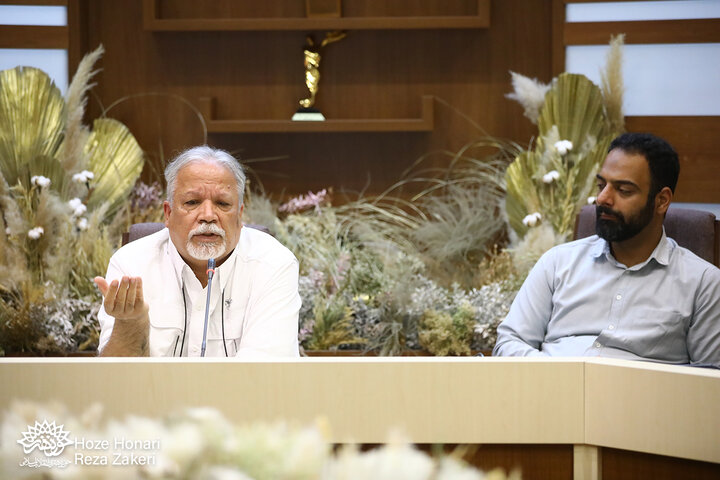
[{"x": 207, "y": 228}]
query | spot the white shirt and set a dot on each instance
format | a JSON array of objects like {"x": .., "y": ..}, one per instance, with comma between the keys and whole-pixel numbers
[{"x": 254, "y": 301}]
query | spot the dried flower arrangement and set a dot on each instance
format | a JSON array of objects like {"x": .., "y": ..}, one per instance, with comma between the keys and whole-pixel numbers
[
  {"x": 61, "y": 188},
  {"x": 548, "y": 184},
  {"x": 384, "y": 273}
]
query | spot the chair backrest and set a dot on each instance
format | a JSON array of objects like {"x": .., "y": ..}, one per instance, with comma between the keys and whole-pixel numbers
[
  {"x": 139, "y": 230},
  {"x": 696, "y": 230}
]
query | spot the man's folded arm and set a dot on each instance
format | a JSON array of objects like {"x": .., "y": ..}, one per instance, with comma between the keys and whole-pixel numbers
[
  {"x": 523, "y": 330},
  {"x": 703, "y": 338}
]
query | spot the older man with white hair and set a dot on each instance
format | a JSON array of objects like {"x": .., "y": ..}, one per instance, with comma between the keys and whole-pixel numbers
[{"x": 155, "y": 290}]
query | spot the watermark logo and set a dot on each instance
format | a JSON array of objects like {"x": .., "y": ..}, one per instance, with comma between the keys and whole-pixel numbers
[
  {"x": 47, "y": 437},
  {"x": 51, "y": 439}
]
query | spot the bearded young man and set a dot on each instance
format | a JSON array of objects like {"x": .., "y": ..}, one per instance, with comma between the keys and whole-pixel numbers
[
  {"x": 630, "y": 291},
  {"x": 155, "y": 289}
]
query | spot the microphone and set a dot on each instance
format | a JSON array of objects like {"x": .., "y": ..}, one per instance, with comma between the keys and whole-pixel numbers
[{"x": 210, "y": 272}]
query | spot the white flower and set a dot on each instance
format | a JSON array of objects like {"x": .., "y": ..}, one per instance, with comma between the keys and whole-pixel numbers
[
  {"x": 36, "y": 233},
  {"x": 563, "y": 146},
  {"x": 82, "y": 223},
  {"x": 79, "y": 210},
  {"x": 591, "y": 200},
  {"x": 83, "y": 177},
  {"x": 452, "y": 469},
  {"x": 77, "y": 206},
  {"x": 40, "y": 181},
  {"x": 532, "y": 219},
  {"x": 551, "y": 176}
]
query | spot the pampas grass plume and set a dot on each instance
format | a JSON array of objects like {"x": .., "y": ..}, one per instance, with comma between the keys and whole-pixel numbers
[
  {"x": 72, "y": 157},
  {"x": 612, "y": 85},
  {"x": 530, "y": 93}
]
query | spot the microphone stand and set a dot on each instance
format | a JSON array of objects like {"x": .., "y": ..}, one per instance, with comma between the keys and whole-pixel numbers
[{"x": 210, "y": 272}]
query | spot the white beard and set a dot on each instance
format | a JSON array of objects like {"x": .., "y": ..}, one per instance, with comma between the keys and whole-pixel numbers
[{"x": 206, "y": 251}]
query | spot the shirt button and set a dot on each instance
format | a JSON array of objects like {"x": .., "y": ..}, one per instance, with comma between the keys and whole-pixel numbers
[
  {"x": 618, "y": 297},
  {"x": 611, "y": 327},
  {"x": 195, "y": 349},
  {"x": 597, "y": 345}
]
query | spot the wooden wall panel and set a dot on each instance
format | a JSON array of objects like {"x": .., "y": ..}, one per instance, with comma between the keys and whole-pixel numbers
[
  {"x": 626, "y": 465},
  {"x": 31, "y": 36},
  {"x": 694, "y": 137},
  {"x": 370, "y": 74},
  {"x": 658, "y": 31},
  {"x": 350, "y": 8},
  {"x": 697, "y": 142}
]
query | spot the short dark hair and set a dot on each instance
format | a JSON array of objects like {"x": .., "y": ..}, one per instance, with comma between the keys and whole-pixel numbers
[{"x": 660, "y": 155}]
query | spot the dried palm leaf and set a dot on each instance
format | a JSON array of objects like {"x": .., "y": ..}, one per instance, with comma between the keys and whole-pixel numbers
[
  {"x": 522, "y": 197},
  {"x": 31, "y": 125},
  {"x": 575, "y": 106},
  {"x": 116, "y": 159}
]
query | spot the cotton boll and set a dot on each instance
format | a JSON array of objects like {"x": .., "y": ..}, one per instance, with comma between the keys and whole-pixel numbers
[
  {"x": 551, "y": 176},
  {"x": 83, "y": 177},
  {"x": 532, "y": 219},
  {"x": 79, "y": 210},
  {"x": 40, "y": 181},
  {"x": 563, "y": 146},
  {"x": 36, "y": 233}
]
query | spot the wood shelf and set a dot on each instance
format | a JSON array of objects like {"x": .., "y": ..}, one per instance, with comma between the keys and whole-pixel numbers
[
  {"x": 153, "y": 22},
  {"x": 425, "y": 123},
  {"x": 701, "y": 30}
]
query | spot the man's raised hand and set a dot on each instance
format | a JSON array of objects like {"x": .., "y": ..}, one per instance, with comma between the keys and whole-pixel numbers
[{"x": 123, "y": 299}]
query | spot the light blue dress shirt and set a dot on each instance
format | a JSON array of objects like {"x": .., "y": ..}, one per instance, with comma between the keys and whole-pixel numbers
[{"x": 579, "y": 301}]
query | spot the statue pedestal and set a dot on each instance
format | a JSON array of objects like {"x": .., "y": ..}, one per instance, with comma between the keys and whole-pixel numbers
[{"x": 308, "y": 115}]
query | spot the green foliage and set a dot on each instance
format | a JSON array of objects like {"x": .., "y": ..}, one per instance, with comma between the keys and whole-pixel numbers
[
  {"x": 332, "y": 326},
  {"x": 444, "y": 334},
  {"x": 363, "y": 263}
]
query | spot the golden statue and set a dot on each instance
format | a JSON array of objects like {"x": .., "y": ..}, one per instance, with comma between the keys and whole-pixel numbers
[{"x": 312, "y": 64}]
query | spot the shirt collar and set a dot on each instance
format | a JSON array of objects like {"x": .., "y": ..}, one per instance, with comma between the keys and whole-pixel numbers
[
  {"x": 663, "y": 250},
  {"x": 176, "y": 260},
  {"x": 599, "y": 248},
  {"x": 661, "y": 254}
]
